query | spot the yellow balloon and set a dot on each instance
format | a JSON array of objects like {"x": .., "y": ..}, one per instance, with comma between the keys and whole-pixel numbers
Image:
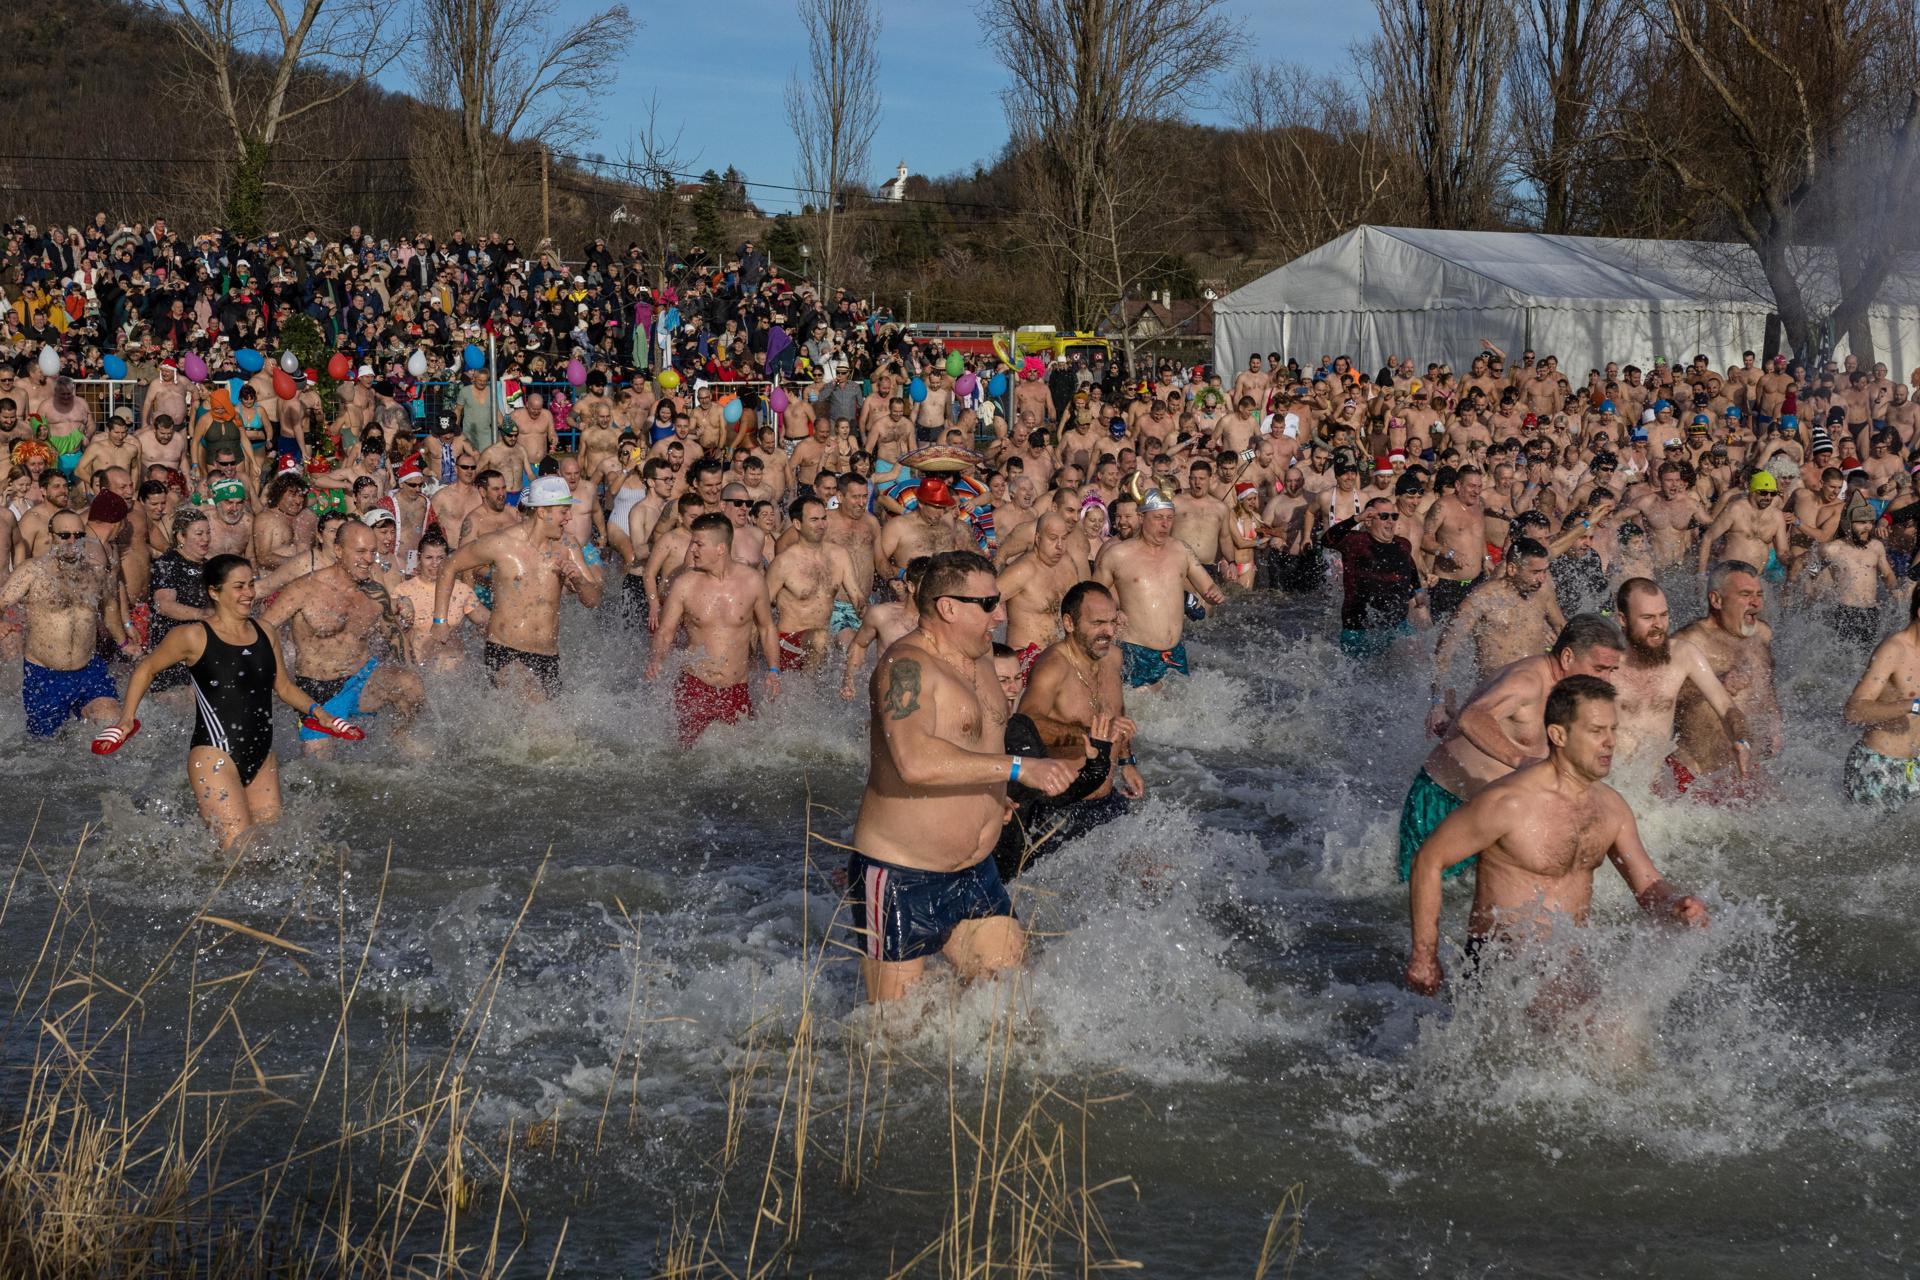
[{"x": 669, "y": 380}]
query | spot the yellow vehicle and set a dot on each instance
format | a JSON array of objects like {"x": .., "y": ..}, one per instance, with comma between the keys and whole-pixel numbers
[{"x": 1048, "y": 343}]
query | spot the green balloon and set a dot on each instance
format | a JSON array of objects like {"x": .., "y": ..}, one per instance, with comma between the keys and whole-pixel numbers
[{"x": 956, "y": 364}]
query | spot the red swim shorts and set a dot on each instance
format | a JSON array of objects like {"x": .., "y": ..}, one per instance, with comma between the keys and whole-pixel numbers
[{"x": 697, "y": 704}]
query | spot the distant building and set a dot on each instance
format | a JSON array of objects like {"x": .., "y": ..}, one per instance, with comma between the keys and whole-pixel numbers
[
  {"x": 1159, "y": 315},
  {"x": 895, "y": 187}
]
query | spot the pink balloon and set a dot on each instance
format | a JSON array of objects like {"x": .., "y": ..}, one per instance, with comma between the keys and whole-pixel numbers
[
  {"x": 576, "y": 373},
  {"x": 193, "y": 368},
  {"x": 777, "y": 400},
  {"x": 963, "y": 386}
]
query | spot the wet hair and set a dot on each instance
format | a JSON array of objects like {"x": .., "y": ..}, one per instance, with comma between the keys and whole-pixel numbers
[
  {"x": 219, "y": 568},
  {"x": 149, "y": 488},
  {"x": 434, "y": 537},
  {"x": 1003, "y": 650},
  {"x": 1723, "y": 572},
  {"x": 798, "y": 507},
  {"x": 946, "y": 574},
  {"x": 1628, "y": 590},
  {"x": 704, "y": 468},
  {"x": 280, "y": 486},
  {"x": 487, "y": 475},
  {"x": 851, "y": 477},
  {"x": 185, "y": 518},
  {"x": 714, "y": 522},
  {"x": 1524, "y": 548},
  {"x": 1586, "y": 632},
  {"x": 916, "y": 571},
  {"x": 1563, "y": 703},
  {"x": 1076, "y": 595}
]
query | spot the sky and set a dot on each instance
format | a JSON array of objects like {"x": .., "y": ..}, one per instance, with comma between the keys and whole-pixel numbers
[{"x": 720, "y": 69}]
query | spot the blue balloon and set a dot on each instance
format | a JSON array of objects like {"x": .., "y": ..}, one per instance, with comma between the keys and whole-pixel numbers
[
  {"x": 249, "y": 360},
  {"x": 732, "y": 412},
  {"x": 233, "y": 389},
  {"x": 997, "y": 385},
  {"x": 116, "y": 367},
  {"x": 475, "y": 357},
  {"x": 917, "y": 389}
]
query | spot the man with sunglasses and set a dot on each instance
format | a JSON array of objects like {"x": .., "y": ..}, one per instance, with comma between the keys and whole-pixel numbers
[
  {"x": 1382, "y": 596},
  {"x": 68, "y": 593},
  {"x": 922, "y": 881}
]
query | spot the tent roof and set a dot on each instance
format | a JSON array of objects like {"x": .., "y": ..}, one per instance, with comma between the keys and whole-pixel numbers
[{"x": 1415, "y": 268}]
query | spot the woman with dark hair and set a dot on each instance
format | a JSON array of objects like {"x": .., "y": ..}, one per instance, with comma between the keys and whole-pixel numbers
[{"x": 236, "y": 672}]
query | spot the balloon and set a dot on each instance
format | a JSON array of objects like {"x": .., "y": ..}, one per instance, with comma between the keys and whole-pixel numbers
[
  {"x": 249, "y": 360},
  {"x": 576, "y": 373},
  {"x": 417, "y": 364},
  {"x": 956, "y": 363},
  {"x": 777, "y": 400},
  {"x": 192, "y": 367},
  {"x": 997, "y": 385},
  {"x": 289, "y": 361},
  {"x": 917, "y": 389},
  {"x": 339, "y": 368},
  {"x": 964, "y": 384},
  {"x": 733, "y": 411},
  {"x": 233, "y": 389},
  {"x": 283, "y": 385},
  {"x": 475, "y": 358},
  {"x": 116, "y": 367},
  {"x": 669, "y": 380},
  {"x": 49, "y": 361}
]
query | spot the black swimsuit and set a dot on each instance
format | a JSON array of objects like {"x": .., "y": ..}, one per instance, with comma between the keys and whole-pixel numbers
[{"x": 233, "y": 689}]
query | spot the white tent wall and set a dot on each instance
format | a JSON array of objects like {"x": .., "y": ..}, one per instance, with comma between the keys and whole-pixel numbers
[{"x": 1433, "y": 295}]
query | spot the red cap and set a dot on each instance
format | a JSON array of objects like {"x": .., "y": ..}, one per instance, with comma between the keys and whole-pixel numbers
[
  {"x": 409, "y": 470},
  {"x": 935, "y": 493},
  {"x": 1849, "y": 464},
  {"x": 1243, "y": 491},
  {"x": 1383, "y": 466}
]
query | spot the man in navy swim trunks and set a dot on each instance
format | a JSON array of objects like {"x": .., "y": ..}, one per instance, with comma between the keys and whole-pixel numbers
[
  {"x": 922, "y": 881},
  {"x": 67, "y": 592}
]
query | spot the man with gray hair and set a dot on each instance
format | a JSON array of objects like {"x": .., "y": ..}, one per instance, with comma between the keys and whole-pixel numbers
[
  {"x": 1502, "y": 728},
  {"x": 1738, "y": 644}
]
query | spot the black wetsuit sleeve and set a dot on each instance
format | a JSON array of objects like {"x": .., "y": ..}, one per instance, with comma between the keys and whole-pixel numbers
[
  {"x": 1340, "y": 533},
  {"x": 1023, "y": 739},
  {"x": 1091, "y": 775}
]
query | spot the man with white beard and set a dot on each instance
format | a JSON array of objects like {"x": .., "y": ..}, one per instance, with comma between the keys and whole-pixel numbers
[
  {"x": 1738, "y": 646},
  {"x": 1656, "y": 670}
]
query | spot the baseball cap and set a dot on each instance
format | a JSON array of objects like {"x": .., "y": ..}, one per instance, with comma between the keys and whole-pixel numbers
[
  {"x": 548, "y": 491},
  {"x": 1646, "y": 416},
  {"x": 379, "y": 515},
  {"x": 364, "y": 371},
  {"x": 123, "y": 414}
]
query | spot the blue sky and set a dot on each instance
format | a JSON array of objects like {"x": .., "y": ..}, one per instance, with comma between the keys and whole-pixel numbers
[{"x": 720, "y": 68}]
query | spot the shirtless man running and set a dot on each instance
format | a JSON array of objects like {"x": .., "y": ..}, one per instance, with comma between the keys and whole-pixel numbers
[
  {"x": 1536, "y": 837},
  {"x": 1151, "y": 575},
  {"x": 67, "y": 593},
  {"x": 1754, "y": 527},
  {"x": 922, "y": 881},
  {"x": 1656, "y": 670},
  {"x": 1739, "y": 649},
  {"x": 804, "y": 582},
  {"x": 1033, "y": 586},
  {"x": 725, "y": 607},
  {"x": 1455, "y": 535},
  {"x": 533, "y": 564},
  {"x": 1500, "y": 729},
  {"x": 1884, "y": 766},
  {"x": 333, "y": 614},
  {"x": 1506, "y": 620}
]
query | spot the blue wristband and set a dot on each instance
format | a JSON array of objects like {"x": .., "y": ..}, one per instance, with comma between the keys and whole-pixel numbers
[{"x": 1015, "y": 775}]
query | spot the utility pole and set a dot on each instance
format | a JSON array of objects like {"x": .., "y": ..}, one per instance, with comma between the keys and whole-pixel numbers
[
  {"x": 909, "y": 308},
  {"x": 546, "y": 204}
]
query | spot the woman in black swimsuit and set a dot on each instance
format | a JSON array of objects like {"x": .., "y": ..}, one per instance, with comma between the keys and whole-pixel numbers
[{"x": 236, "y": 674}]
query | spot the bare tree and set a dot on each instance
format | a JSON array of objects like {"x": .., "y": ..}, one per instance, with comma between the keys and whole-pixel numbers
[
  {"x": 1091, "y": 81},
  {"x": 1563, "y": 65},
  {"x": 1435, "y": 71},
  {"x": 313, "y": 52},
  {"x": 833, "y": 108},
  {"x": 511, "y": 82},
  {"x": 1313, "y": 164},
  {"x": 654, "y": 211},
  {"x": 1803, "y": 126}
]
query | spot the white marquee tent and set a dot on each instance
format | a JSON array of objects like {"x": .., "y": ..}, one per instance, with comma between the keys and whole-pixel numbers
[{"x": 1433, "y": 295}]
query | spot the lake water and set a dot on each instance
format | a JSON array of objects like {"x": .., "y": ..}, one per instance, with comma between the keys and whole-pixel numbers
[{"x": 1219, "y": 969}]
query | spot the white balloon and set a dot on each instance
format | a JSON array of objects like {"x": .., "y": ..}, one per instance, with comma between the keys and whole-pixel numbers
[
  {"x": 49, "y": 361},
  {"x": 417, "y": 364},
  {"x": 290, "y": 362}
]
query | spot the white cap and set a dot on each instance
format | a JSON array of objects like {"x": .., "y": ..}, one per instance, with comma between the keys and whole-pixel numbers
[
  {"x": 1646, "y": 417},
  {"x": 379, "y": 515},
  {"x": 548, "y": 491},
  {"x": 364, "y": 371}
]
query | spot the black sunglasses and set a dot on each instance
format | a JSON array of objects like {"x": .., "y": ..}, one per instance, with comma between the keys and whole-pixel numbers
[
  {"x": 78, "y": 534},
  {"x": 987, "y": 603},
  {"x": 737, "y": 502}
]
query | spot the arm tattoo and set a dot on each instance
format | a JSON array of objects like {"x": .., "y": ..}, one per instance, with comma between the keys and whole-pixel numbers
[{"x": 903, "y": 689}]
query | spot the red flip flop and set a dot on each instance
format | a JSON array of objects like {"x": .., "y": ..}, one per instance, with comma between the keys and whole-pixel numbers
[
  {"x": 352, "y": 733},
  {"x": 113, "y": 738}
]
